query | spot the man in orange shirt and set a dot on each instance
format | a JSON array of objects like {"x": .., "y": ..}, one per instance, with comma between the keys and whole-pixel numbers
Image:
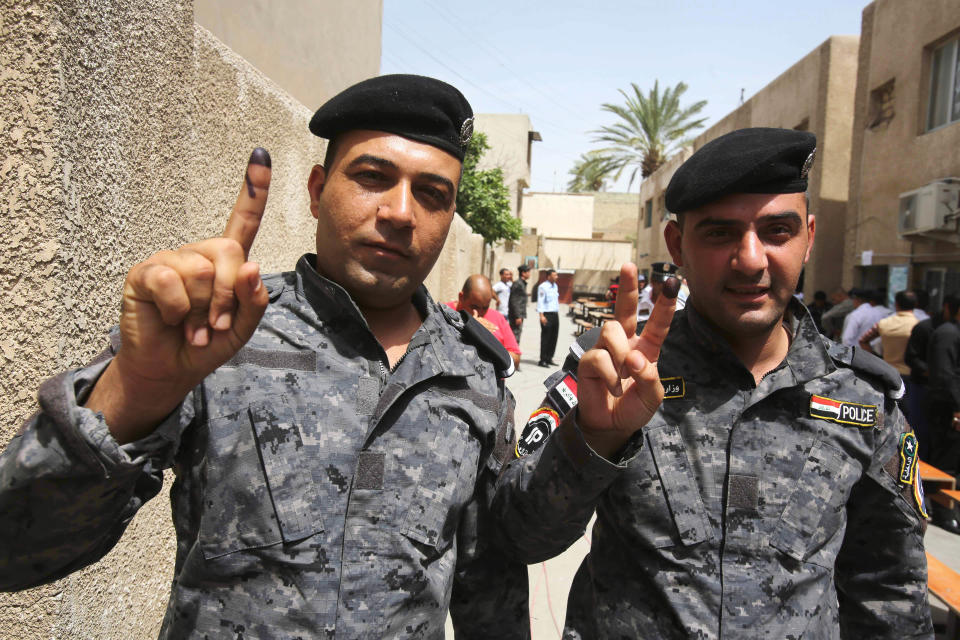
[{"x": 474, "y": 298}]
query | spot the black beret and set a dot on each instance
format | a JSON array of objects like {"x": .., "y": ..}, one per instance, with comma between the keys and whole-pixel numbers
[
  {"x": 416, "y": 107},
  {"x": 758, "y": 160},
  {"x": 662, "y": 271}
]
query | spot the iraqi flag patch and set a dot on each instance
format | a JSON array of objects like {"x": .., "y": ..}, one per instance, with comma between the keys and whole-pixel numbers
[
  {"x": 859, "y": 415},
  {"x": 564, "y": 395}
]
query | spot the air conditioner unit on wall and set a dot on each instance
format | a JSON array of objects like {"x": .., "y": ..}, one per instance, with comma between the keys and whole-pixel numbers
[{"x": 933, "y": 209}]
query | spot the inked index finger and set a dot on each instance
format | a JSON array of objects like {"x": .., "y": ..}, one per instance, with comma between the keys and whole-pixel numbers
[
  {"x": 245, "y": 218},
  {"x": 625, "y": 309},
  {"x": 658, "y": 325}
]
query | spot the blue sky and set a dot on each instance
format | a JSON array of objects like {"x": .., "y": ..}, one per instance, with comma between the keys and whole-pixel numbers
[{"x": 559, "y": 61}]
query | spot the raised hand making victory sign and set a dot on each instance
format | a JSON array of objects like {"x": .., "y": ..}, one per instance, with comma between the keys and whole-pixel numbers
[{"x": 618, "y": 385}]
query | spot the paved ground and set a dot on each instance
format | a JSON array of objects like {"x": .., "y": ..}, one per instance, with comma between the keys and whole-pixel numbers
[{"x": 550, "y": 581}]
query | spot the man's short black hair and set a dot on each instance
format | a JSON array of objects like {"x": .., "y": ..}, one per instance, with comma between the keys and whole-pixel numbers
[
  {"x": 905, "y": 300},
  {"x": 551, "y": 271},
  {"x": 952, "y": 303},
  {"x": 504, "y": 269},
  {"x": 820, "y": 295},
  {"x": 523, "y": 268}
]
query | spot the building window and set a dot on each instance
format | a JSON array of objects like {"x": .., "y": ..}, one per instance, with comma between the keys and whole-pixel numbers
[
  {"x": 662, "y": 208},
  {"x": 648, "y": 214},
  {"x": 944, "y": 106},
  {"x": 881, "y": 105}
]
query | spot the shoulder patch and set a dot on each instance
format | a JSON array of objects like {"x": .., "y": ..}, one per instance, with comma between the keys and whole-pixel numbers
[
  {"x": 539, "y": 426},
  {"x": 908, "y": 457}
]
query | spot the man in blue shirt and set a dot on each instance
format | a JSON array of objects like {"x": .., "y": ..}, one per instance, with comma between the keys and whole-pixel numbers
[{"x": 548, "y": 306}]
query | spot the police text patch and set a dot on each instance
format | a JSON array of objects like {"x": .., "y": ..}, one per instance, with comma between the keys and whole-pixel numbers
[
  {"x": 538, "y": 427},
  {"x": 860, "y": 415}
]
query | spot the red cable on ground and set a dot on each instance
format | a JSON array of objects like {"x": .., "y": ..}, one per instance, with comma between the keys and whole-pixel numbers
[{"x": 546, "y": 584}]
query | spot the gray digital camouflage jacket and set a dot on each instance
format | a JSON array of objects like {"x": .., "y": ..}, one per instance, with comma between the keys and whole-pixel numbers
[
  {"x": 317, "y": 494},
  {"x": 787, "y": 509}
]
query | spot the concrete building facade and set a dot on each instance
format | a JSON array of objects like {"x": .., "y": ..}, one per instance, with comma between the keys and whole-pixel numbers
[
  {"x": 312, "y": 49},
  {"x": 815, "y": 94},
  {"x": 511, "y": 137},
  {"x": 906, "y": 136}
]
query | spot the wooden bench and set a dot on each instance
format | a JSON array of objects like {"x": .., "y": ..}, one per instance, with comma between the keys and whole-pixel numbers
[
  {"x": 944, "y": 582},
  {"x": 944, "y": 481},
  {"x": 582, "y": 325}
]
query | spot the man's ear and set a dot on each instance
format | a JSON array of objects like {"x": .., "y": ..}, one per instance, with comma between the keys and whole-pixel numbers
[
  {"x": 315, "y": 183},
  {"x": 672, "y": 236},
  {"x": 811, "y": 232}
]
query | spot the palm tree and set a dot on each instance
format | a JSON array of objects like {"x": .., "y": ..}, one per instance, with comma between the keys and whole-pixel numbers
[
  {"x": 652, "y": 127},
  {"x": 590, "y": 173}
]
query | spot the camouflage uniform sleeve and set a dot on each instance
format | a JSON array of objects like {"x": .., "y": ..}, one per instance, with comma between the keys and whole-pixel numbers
[
  {"x": 490, "y": 595},
  {"x": 881, "y": 571},
  {"x": 544, "y": 501},
  {"x": 67, "y": 489}
]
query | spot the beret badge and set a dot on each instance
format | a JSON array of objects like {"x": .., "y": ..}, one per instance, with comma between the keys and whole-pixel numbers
[
  {"x": 807, "y": 164},
  {"x": 466, "y": 132}
]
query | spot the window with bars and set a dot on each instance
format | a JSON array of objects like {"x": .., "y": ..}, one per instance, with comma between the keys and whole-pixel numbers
[
  {"x": 648, "y": 214},
  {"x": 944, "y": 101}
]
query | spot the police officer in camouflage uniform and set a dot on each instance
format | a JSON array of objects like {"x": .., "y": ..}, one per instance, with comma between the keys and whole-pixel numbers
[
  {"x": 751, "y": 479},
  {"x": 335, "y": 433}
]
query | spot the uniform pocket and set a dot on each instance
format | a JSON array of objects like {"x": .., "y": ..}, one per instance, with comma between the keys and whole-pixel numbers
[
  {"x": 447, "y": 478},
  {"x": 659, "y": 493},
  {"x": 259, "y": 488},
  {"x": 816, "y": 507}
]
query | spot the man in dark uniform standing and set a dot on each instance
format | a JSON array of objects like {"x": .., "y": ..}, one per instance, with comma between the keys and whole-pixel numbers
[
  {"x": 336, "y": 434},
  {"x": 750, "y": 478},
  {"x": 518, "y": 301}
]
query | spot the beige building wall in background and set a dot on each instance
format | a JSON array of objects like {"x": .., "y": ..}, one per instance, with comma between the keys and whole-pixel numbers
[
  {"x": 313, "y": 49},
  {"x": 593, "y": 255},
  {"x": 117, "y": 147},
  {"x": 558, "y": 215},
  {"x": 892, "y": 151},
  {"x": 815, "y": 94},
  {"x": 509, "y": 136},
  {"x": 615, "y": 215}
]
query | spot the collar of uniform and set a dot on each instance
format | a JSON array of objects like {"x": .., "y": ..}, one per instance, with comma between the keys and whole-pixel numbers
[
  {"x": 328, "y": 299},
  {"x": 807, "y": 356}
]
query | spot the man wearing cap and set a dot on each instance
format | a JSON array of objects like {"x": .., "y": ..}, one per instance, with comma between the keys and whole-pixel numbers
[
  {"x": 518, "y": 301},
  {"x": 750, "y": 478},
  {"x": 660, "y": 272},
  {"x": 335, "y": 433}
]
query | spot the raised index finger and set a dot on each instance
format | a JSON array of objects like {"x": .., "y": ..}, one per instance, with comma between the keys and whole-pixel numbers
[
  {"x": 245, "y": 218},
  {"x": 657, "y": 327},
  {"x": 625, "y": 309}
]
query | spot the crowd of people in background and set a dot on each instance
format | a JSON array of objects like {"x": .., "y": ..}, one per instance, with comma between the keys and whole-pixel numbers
[{"x": 923, "y": 345}]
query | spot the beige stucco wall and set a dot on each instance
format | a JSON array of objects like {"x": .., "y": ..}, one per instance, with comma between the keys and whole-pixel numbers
[
  {"x": 816, "y": 93},
  {"x": 126, "y": 129},
  {"x": 602, "y": 255},
  {"x": 898, "y": 156},
  {"x": 509, "y": 138},
  {"x": 615, "y": 215},
  {"x": 311, "y": 48},
  {"x": 558, "y": 215}
]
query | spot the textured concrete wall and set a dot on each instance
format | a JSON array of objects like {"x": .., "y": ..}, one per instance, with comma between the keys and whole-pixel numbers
[
  {"x": 461, "y": 257},
  {"x": 312, "y": 49},
  {"x": 898, "y": 155},
  {"x": 602, "y": 255},
  {"x": 126, "y": 130}
]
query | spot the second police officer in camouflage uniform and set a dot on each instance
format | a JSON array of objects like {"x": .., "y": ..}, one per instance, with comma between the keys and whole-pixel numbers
[
  {"x": 750, "y": 479},
  {"x": 335, "y": 458}
]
